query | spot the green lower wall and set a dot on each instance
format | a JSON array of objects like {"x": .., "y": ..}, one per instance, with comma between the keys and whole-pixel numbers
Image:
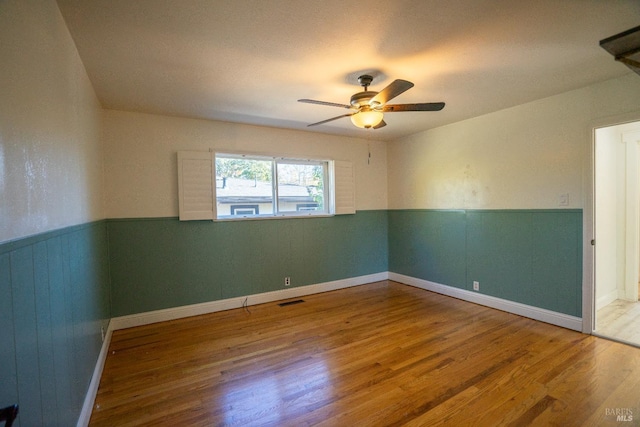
[
  {"x": 532, "y": 257},
  {"x": 162, "y": 263},
  {"x": 59, "y": 288},
  {"x": 54, "y": 299},
  {"x": 529, "y": 256}
]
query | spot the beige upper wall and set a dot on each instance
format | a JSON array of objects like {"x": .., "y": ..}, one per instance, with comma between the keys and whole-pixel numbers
[
  {"x": 524, "y": 157},
  {"x": 141, "y": 163},
  {"x": 50, "y": 151},
  {"x": 51, "y": 155}
]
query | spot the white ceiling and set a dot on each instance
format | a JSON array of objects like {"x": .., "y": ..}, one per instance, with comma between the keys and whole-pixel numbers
[{"x": 249, "y": 61}]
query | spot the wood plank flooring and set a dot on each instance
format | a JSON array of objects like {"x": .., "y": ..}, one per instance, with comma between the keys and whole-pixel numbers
[{"x": 382, "y": 354}]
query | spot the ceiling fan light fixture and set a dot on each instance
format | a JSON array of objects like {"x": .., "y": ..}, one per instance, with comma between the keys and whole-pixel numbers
[
  {"x": 367, "y": 107},
  {"x": 367, "y": 119}
]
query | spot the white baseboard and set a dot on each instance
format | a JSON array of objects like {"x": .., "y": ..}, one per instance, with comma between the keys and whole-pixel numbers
[
  {"x": 541, "y": 314},
  {"x": 237, "y": 302},
  {"x": 607, "y": 299},
  {"x": 90, "y": 398}
]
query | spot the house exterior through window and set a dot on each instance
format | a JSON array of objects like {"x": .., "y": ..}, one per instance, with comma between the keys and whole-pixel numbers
[{"x": 253, "y": 186}]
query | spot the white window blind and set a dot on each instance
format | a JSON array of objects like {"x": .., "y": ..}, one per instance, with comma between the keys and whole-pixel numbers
[
  {"x": 196, "y": 185},
  {"x": 345, "y": 188}
]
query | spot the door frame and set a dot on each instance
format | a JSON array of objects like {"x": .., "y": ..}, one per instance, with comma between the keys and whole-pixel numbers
[{"x": 588, "y": 219}]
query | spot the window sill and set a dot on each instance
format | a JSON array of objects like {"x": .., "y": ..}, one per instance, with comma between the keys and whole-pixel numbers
[{"x": 270, "y": 217}]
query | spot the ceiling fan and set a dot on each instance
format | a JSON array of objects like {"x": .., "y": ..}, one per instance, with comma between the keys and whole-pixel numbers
[{"x": 367, "y": 107}]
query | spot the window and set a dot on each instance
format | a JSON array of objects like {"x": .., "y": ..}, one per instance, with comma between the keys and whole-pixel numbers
[
  {"x": 253, "y": 186},
  {"x": 235, "y": 186}
]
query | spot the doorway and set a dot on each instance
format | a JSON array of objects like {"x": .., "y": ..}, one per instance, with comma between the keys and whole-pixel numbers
[{"x": 617, "y": 232}]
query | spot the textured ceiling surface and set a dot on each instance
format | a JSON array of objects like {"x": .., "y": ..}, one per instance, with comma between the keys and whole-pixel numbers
[{"x": 249, "y": 61}]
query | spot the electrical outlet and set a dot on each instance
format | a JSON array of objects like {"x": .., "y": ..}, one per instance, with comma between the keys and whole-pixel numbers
[
  {"x": 287, "y": 281},
  {"x": 476, "y": 286}
]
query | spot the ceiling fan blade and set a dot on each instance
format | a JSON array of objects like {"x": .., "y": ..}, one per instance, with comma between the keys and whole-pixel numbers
[
  {"x": 394, "y": 89},
  {"x": 330, "y": 104},
  {"x": 425, "y": 106},
  {"x": 380, "y": 125},
  {"x": 331, "y": 119}
]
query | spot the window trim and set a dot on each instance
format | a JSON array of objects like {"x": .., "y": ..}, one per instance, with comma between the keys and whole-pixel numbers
[{"x": 197, "y": 183}]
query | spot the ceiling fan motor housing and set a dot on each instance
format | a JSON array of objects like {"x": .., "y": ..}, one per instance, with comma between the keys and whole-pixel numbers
[{"x": 362, "y": 99}]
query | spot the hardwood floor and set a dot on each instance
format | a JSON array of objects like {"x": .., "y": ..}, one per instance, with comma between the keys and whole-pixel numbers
[{"x": 381, "y": 354}]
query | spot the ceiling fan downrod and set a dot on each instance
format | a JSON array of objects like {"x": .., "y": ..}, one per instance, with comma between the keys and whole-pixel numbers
[
  {"x": 365, "y": 81},
  {"x": 361, "y": 99}
]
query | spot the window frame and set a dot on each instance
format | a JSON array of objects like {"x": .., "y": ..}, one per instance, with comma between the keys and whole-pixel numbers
[{"x": 327, "y": 187}]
